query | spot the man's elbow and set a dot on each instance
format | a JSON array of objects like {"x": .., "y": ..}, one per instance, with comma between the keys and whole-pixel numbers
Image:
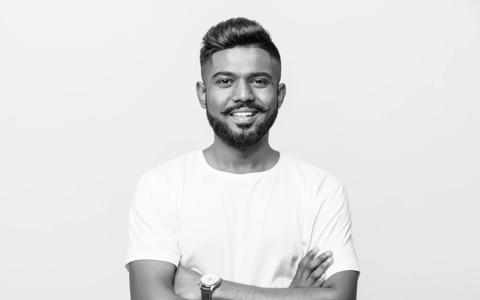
[
  {"x": 342, "y": 286},
  {"x": 336, "y": 294}
]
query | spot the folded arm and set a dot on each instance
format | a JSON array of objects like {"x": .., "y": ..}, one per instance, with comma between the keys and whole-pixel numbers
[
  {"x": 340, "y": 286},
  {"x": 152, "y": 280},
  {"x": 307, "y": 283}
]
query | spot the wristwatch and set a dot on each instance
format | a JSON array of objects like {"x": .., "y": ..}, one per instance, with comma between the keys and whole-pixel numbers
[{"x": 208, "y": 283}]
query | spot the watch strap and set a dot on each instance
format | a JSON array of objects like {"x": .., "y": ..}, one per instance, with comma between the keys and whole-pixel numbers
[{"x": 206, "y": 293}]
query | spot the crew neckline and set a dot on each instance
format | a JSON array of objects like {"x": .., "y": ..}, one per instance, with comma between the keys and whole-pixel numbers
[{"x": 212, "y": 170}]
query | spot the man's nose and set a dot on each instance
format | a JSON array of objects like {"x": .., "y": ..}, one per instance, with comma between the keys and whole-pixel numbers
[{"x": 242, "y": 92}]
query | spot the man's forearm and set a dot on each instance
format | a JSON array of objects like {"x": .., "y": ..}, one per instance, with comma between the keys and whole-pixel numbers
[
  {"x": 340, "y": 286},
  {"x": 229, "y": 290}
]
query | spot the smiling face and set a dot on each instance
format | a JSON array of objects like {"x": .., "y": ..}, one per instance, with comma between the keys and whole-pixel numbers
[{"x": 242, "y": 94}]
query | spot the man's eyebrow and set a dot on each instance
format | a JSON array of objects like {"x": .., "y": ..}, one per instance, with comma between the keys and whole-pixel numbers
[
  {"x": 224, "y": 73},
  {"x": 258, "y": 74},
  {"x": 254, "y": 74}
]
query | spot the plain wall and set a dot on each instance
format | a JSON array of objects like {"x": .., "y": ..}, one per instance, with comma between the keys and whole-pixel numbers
[{"x": 383, "y": 94}]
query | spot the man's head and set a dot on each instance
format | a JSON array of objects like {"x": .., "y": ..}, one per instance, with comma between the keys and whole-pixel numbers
[{"x": 241, "y": 89}]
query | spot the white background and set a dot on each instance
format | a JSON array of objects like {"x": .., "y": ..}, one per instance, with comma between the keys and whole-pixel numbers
[{"x": 383, "y": 94}]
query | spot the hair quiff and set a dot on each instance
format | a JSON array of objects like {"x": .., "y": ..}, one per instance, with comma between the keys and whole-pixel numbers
[{"x": 236, "y": 32}]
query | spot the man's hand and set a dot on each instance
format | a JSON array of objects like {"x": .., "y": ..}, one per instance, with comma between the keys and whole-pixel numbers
[
  {"x": 186, "y": 283},
  {"x": 311, "y": 268}
]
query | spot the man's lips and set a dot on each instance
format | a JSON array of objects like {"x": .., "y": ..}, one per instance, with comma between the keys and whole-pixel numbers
[
  {"x": 243, "y": 111},
  {"x": 244, "y": 117},
  {"x": 244, "y": 108}
]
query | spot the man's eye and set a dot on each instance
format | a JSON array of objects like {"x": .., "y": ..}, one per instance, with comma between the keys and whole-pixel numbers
[
  {"x": 224, "y": 81},
  {"x": 260, "y": 82}
]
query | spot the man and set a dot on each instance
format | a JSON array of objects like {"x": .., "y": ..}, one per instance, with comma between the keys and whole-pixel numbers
[{"x": 256, "y": 223}]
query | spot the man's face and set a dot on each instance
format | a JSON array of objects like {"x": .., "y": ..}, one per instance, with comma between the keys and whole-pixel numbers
[{"x": 241, "y": 94}]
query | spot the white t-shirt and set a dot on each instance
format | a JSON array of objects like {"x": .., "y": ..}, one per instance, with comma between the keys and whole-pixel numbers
[{"x": 251, "y": 228}]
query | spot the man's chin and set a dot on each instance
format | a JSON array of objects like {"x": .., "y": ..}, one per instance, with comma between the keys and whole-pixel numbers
[
  {"x": 239, "y": 138},
  {"x": 242, "y": 130},
  {"x": 239, "y": 135}
]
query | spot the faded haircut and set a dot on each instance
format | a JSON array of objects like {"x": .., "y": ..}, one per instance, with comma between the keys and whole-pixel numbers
[{"x": 236, "y": 32}]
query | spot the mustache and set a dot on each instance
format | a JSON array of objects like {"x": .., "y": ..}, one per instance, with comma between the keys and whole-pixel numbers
[{"x": 246, "y": 105}]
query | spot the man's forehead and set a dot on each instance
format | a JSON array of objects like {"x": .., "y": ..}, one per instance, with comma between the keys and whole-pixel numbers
[{"x": 243, "y": 61}]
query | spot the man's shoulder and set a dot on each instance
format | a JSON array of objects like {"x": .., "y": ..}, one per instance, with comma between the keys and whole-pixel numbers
[
  {"x": 171, "y": 167},
  {"x": 310, "y": 172}
]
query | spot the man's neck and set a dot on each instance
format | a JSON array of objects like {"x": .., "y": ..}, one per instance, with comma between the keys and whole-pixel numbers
[{"x": 257, "y": 158}]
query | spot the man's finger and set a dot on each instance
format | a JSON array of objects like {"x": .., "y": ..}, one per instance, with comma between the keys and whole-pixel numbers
[
  {"x": 319, "y": 282},
  {"x": 312, "y": 266},
  {"x": 307, "y": 258},
  {"x": 320, "y": 270},
  {"x": 314, "y": 263},
  {"x": 300, "y": 274}
]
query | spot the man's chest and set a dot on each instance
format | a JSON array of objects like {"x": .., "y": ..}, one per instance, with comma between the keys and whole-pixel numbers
[{"x": 230, "y": 231}]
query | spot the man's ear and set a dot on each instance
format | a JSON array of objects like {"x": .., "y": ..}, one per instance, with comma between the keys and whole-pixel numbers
[
  {"x": 201, "y": 94},
  {"x": 281, "y": 91}
]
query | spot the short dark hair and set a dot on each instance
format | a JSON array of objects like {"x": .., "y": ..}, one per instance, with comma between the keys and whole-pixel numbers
[{"x": 236, "y": 32}]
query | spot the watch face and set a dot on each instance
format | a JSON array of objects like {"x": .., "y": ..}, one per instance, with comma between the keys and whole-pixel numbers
[{"x": 210, "y": 279}]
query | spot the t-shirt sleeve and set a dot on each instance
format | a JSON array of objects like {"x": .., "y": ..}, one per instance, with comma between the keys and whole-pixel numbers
[
  {"x": 152, "y": 233},
  {"x": 331, "y": 229}
]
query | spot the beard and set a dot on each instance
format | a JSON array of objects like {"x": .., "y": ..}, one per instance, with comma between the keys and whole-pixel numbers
[{"x": 244, "y": 139}]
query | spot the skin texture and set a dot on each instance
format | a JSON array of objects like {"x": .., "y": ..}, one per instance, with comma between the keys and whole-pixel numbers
[
  {"x": 233, "y": 84},
  {"x": 151, "y": 280},
  {"x": 309, "y": 274},
  {"x": 311, "y": 268},
  {"x": 241, "y": 77},
  {"x": 234, "y": 78}
]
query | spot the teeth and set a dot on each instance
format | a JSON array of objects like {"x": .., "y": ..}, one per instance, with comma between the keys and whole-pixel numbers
[{"x": 243, "y": 114}]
